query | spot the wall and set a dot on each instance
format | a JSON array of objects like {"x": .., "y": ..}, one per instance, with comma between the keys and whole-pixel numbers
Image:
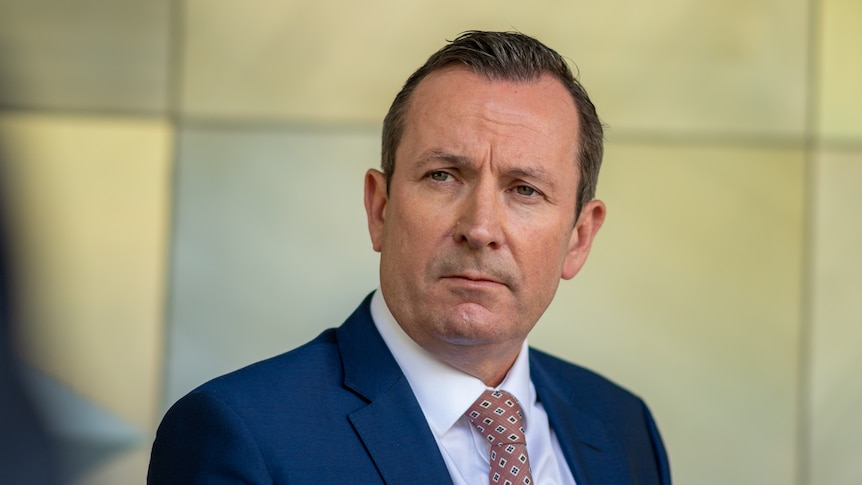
[{"x": 186, "y": 182}]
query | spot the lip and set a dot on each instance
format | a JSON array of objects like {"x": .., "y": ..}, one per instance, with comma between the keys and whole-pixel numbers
[{"x": 475, "y": 278}]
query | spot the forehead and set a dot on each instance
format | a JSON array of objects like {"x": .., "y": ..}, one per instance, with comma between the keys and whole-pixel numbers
[
  {"x": 456, "y": 105},
  {"x": 460, "y": 82}
]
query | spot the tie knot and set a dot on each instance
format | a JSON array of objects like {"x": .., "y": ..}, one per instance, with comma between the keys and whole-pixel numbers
[{"x": 497, "y": 415}]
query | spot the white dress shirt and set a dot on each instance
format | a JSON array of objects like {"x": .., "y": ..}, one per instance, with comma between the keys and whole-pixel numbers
[{"x": 445, "y": 393}]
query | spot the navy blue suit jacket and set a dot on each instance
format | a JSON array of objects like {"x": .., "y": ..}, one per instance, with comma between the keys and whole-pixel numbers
[{"x": 339, "y": 410}]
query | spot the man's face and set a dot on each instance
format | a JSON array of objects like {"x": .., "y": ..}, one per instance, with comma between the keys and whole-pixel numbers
[{"x": 478, "y": 226}]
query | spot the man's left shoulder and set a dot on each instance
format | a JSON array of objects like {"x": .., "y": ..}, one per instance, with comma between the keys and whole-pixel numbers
[
  {"x": 578, "y": 383},
  {"x": 603, "y": 414}
]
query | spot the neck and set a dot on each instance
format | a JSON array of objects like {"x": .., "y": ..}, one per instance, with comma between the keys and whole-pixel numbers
[{"x": 488, "y": 363}]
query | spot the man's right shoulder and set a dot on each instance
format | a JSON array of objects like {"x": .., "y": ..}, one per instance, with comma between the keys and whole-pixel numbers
[
  {"x": 247, "y": 423},
  {"x": 312, "y": 369},
  {"x": 318, "y": 360}
]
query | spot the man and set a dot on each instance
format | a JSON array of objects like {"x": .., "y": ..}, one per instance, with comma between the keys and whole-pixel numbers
[{"x": 491, "y": 153}]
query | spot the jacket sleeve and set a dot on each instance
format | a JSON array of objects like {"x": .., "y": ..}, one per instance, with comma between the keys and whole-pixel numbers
[{"x": 203, "y": 440}]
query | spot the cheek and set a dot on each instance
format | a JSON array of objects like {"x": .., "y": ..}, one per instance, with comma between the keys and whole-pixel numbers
[
  {"x": 546, "y": 258},
  {"x": 411, "y": 234},
  {"x": 422, "y": 216}
]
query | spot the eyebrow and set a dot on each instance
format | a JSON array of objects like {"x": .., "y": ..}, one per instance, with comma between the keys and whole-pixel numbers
[
  {"x": 436, "y": 155},
  {"x": 529, "y": 172},
  {"x": 533, "y": 173}
]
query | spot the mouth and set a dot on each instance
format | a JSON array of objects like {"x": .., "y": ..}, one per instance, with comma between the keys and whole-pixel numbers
[{"x": 475, "y": 279}]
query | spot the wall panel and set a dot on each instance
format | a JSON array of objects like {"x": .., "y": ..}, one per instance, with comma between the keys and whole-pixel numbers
[
  {"x": 836, "y": 393},
  {"x": 270, "y": 245},
  {"x": 96, "y": 55},
  {"x": 670, "y": 66},
  {"x": 690, "y": 298},
  {"x": 840, "y": 70}
]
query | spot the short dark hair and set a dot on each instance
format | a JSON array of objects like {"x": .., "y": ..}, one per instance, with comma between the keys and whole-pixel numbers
[{"x": 510, "y": 56}]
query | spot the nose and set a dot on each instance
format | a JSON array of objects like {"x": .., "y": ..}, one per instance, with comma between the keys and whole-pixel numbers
[{"x": 480, "y": 219}]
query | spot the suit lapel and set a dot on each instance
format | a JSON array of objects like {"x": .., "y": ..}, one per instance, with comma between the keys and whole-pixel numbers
[
  {"x": 391, "y": 426},
  {"x": 590, "y": 453}
]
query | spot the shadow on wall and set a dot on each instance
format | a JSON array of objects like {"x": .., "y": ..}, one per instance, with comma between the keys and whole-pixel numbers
[{"x": 26, "y": 450}]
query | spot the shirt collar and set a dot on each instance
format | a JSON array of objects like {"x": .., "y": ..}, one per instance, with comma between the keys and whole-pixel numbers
[{"x": 444, "y": 392}]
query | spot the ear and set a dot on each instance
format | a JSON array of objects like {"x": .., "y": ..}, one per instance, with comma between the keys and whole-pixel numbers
[
  {"x": 375, "y": 205},
  {"x": 588, "y": 224}
]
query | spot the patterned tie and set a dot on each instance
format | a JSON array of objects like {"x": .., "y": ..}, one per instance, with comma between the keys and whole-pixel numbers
[{"x": 497, "y": 415}]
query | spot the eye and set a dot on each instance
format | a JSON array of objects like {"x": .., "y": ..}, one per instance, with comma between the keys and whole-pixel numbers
[
  {"x": 439, "y": 176},
  {"x": 526, "y": 190}
]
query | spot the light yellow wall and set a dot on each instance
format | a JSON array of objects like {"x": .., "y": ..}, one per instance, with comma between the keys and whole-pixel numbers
[
  {"x": 704, "y": 67},
  {"x": 839, "y": 106},
  {"x": 695, "y": 296},
  {"x": 690, "y": 298},
  {"x": 834, "y": 397},
  {"x": 89, "y": 197},
  {"x": 836, "y": 333}
]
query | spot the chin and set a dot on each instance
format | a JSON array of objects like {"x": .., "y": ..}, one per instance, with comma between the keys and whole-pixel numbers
[{"x": 474, "y": 326}]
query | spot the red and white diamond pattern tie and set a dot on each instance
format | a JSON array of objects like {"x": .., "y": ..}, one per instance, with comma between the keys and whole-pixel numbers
[{"x": 497, "y": 415}]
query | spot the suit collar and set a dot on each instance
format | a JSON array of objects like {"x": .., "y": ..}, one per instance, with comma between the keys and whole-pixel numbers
[
  {"x": 590, "y": 452},
  {"x": 391, "y": 425},
  {"x": 394, "y": 430},
  {"x": 369, "y": 368}
]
